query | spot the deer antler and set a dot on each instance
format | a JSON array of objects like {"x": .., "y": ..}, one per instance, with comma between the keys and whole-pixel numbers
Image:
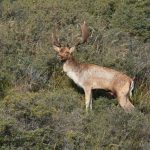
[
  {"x": 81, "y": 40},
  {"x": 85, "y": 34},
  {"x": 55, "y": 40}
]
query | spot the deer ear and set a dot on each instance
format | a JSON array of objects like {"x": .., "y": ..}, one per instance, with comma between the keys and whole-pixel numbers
[
  {"x": 72, "y": 49},
  {"x": 57, "y": 49}
]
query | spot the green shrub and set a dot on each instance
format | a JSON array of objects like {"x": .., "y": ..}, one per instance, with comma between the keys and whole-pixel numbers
[
  {"x": 133, "y": 17},
  {"x": 40, "y": 107},
  {"x": 5, "y": 83}
]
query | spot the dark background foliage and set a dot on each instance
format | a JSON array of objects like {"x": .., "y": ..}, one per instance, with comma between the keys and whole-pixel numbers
[{"x": 40, "y": 107}]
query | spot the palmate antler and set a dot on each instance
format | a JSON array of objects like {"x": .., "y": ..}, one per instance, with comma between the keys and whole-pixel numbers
[
  {"x": 81, "y": 40},
  {"x": 84, "y": 36}
]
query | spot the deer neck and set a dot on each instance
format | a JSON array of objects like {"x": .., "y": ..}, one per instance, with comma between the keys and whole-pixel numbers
[
  {"x": 71, "y": 65},
  {"x": 73, "y": 70}
]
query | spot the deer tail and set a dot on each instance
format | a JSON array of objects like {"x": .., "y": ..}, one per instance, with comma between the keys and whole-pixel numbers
[{"x": 131, "y": 87}]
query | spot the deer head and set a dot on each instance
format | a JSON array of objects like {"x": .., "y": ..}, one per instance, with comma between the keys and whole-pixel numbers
[{"x": 64, "y": 53}]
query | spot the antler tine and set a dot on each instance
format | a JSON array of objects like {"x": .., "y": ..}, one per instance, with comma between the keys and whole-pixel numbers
[
  {"x": 85, "y": 34},
  {"x": 55, "y": 40}
]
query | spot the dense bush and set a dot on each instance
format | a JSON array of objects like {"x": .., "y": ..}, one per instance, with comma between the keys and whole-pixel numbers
[
  {"x": 133, "y": 16},
  {"x": 40, "y": 107},
  {"x": 5, "y": 84},
  {"x": 56, "y": 120}
]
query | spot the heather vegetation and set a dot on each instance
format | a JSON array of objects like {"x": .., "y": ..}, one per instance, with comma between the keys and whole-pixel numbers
[{"x": 40, "y": 107}]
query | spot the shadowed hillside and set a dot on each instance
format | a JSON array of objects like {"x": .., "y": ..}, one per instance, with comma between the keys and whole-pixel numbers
[{"x": 40, "y": 107}]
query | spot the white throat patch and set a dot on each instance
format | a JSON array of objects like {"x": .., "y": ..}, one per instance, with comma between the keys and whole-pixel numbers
[{"x": 74, "y": 77}]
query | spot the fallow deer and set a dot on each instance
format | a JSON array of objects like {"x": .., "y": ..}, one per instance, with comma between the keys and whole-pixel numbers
[{"x": 90, "y": 76}]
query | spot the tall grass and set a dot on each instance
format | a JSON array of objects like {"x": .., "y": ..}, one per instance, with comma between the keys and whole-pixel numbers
[{"x": 40, "y": 107}]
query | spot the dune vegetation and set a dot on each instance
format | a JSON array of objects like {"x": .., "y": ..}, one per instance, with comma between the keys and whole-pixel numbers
[{"x": 40, "y": 107}]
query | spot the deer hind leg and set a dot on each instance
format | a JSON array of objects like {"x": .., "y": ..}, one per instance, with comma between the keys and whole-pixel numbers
[
  {"x": 123, "y": 99},
  {"x": 125, "y": 103},
  {"x": 88, "y": 99}
]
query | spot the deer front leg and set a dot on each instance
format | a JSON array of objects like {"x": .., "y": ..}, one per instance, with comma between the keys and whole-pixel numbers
[
  {"x": 91, "y": 100},
  {"x": 88, "y": 99}
]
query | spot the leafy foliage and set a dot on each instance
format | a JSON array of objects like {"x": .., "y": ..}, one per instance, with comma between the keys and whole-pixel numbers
[
  {"x": 40, "y": 107},
  {"x": 133, "y": 16}
]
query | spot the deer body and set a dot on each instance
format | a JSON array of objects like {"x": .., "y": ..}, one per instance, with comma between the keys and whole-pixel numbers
[{"x": 90, "y": 76}]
